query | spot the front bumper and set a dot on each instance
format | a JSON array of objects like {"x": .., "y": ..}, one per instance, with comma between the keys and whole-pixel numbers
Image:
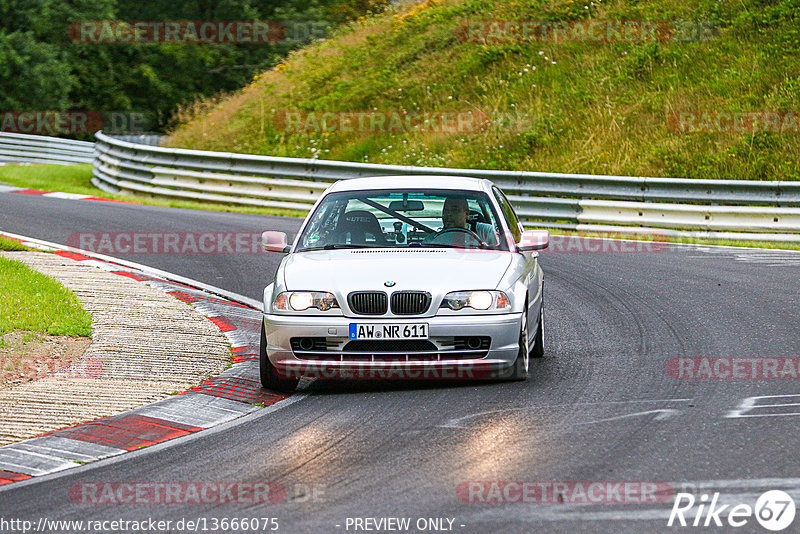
[{"x": 501, "y": 354}]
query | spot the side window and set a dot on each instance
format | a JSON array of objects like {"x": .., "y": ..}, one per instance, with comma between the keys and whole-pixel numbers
[{"x": 508, "y": 213}]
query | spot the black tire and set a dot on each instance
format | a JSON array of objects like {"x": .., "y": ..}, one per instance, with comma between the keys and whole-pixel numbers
[
  {"x": 269, "y": 377},
  {"x": 538, "y": 343},
  {"x": 521, "y": 368}
]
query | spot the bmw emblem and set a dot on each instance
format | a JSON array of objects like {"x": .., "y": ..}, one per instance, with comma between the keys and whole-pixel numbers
[{"x": 389, "y": 283}]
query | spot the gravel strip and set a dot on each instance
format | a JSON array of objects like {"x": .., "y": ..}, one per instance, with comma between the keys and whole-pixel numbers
[{"x": 146, "y": 345}]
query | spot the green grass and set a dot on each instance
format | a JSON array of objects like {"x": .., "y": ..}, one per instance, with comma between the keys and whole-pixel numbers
[
  {"x": 66, "y": 178},
  {"x": 738, "y": 243},
  {"x": 582, "y": 107},
  {"x": 77, "y": 179},
  {"x": 10, "y": 244},
  {"x": 32, "y": 301}
]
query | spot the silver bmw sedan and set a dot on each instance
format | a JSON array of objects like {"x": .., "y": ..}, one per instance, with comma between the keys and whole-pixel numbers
[{"x": 406, "y": 277}]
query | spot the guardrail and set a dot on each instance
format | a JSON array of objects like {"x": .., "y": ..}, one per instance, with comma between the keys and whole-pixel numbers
[
  {"x": 570, "y": 201},
  {"x": 739, "y": 209},
  {"x": 24, "y": 148}
]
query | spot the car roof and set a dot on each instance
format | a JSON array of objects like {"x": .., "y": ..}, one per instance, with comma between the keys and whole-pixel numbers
[{"x": 461, "y": 183}]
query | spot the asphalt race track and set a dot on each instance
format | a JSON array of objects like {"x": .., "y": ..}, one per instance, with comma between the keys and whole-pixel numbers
[{"x": 600, "y": 407}]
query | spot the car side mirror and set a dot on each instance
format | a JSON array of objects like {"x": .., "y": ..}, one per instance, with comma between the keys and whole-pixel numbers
[
  {"x": 533, "y": 240},
  {"x": 274, "y": 242}
]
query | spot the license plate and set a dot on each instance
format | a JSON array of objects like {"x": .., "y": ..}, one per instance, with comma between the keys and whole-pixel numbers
[{"x": 389, "y": 331}]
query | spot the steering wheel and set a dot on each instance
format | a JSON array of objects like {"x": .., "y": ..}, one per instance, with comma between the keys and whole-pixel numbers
[{"x": 457, "y": 229}]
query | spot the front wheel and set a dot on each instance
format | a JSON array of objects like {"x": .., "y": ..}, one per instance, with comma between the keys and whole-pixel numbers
[
  {"x": 269, "y": 375},
  {"x": 520, "y": 369},
  {"x": 538, "y": 344}
]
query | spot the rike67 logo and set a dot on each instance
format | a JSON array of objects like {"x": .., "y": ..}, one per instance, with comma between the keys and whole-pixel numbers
[{"x": 774, "y": 510}]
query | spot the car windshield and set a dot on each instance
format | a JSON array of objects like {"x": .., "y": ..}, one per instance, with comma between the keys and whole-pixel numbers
[{"x": 404, "y": 218}]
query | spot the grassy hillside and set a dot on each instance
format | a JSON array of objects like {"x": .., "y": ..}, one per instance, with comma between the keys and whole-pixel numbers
[{"x": 575, "y": 106}]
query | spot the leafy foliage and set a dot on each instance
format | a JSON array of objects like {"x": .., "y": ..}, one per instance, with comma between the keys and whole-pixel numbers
[{"x": 42, "y": 69}]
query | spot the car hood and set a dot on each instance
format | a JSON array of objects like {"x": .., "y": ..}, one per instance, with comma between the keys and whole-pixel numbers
[{"x": 433, "y": 270}]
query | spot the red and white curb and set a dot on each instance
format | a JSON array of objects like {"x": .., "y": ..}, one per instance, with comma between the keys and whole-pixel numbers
[
  {"x": 234, "y": 393},
  {"x": 56, "y": 194}
]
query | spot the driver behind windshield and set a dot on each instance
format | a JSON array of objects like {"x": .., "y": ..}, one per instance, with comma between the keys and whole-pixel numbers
[{"x": 454, "y": 215}]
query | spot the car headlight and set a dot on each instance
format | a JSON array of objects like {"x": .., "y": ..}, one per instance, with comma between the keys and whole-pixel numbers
[
  {"x": 478, "y": 300},
  {"x": 303, "y": 300}
]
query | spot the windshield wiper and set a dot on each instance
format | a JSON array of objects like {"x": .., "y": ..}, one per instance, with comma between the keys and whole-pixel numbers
[
  {"x": 336, "y": 246},
  {"x": 445, "y": 245}
]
